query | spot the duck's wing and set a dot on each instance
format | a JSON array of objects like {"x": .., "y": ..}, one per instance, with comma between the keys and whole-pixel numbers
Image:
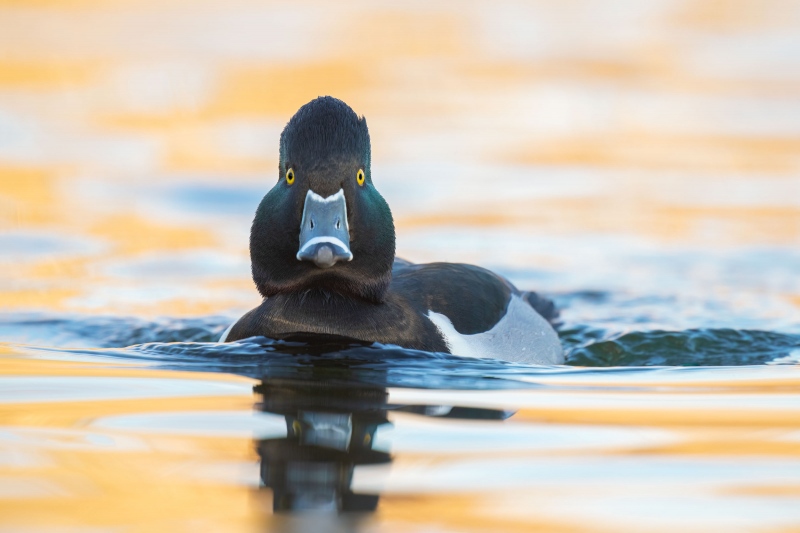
[
  {"x": 455, "y": 290},
  {"x": 481, "y": 314},
  {"x": 473, "y": 298}
]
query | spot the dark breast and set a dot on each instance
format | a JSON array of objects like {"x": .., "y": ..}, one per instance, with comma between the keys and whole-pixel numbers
[
  {"x": 473, "y": 298},
  {"x": 315, "y": 312}
]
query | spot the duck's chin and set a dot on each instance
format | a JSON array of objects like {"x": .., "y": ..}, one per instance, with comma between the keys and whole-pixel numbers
[{"x": 339, "y": 279}]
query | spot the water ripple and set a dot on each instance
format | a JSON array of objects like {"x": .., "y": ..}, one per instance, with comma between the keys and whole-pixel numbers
[{"x": 189, "y": 345}]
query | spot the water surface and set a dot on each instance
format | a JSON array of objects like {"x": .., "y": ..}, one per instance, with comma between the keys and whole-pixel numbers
[{"x": 637, "y": 162}]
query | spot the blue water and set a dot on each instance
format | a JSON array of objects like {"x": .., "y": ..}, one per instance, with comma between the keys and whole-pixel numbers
[{"x": 190, "y": 344}]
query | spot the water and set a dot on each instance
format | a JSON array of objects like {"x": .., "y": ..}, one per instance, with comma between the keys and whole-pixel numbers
[{"x": 637, "y": 162}]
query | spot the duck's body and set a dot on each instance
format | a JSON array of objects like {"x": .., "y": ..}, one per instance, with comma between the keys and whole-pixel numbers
[
  {"x": 436, "y": 307},
  {"x": 322, "y": 251}
]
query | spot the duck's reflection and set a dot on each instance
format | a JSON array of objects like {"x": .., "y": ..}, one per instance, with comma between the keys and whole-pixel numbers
[{"x": 331, "y": 429}]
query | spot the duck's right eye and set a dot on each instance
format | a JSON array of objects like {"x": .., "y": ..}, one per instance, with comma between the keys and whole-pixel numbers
[{"x": 290, "y": 176}]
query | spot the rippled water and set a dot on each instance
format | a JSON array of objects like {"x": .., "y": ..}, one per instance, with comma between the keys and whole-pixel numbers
[{"x": 637, "y": 162}]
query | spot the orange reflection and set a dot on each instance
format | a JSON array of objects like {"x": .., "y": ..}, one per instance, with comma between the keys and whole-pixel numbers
[{"x": 107, "y": 108}]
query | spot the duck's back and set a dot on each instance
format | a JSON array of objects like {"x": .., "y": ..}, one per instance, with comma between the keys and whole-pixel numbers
[{"x": 480, "y": 314}]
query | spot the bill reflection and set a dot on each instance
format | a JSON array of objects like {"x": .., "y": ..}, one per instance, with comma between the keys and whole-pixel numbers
[{"x": 331, "y": 430}]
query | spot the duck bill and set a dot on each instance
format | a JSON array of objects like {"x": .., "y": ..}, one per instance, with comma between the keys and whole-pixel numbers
[{"x": 324, "y": 233}]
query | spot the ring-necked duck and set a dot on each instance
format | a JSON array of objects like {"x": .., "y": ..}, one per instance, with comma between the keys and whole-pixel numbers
[{"x": 322, "y": 249}]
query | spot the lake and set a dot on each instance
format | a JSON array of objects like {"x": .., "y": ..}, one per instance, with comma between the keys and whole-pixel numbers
[{"x": 638, "y": 162}]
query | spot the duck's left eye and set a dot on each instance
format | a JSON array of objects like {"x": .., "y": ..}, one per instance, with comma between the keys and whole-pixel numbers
[
  {"x": 290, "y": 176},
  {"x": 360, "y": 177}
]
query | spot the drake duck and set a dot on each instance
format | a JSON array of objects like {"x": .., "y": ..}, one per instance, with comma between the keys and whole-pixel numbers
[{"x": 322, "y": 250}]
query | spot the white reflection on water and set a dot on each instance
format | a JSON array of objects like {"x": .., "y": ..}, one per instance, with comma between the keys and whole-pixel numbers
[
  {"x": 43, "y": 440},
  {"x": 667, "y": 474},
  {"x": 25, "y": 389},
  {"x": 209, "y": 423},
  {"x": 410, "y": 434},
  {"x": 624, "y": 493}
]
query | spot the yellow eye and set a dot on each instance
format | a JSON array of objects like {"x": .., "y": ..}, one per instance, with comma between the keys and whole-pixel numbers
[
  {"x": 360, "y": 177},
  {"x": 290, "y": 176}
]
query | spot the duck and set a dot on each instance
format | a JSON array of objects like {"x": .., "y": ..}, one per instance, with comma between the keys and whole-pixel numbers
[{"x": 322, "y": 252}]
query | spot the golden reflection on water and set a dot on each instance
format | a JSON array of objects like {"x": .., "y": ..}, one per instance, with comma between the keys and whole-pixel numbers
[
  {"x": 67, "y": 463},
  {"x": 680, "y": 117},
  {"x": 60, "y": 473}
]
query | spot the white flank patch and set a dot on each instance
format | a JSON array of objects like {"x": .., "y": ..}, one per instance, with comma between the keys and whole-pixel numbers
[{"x": 521, "y": 336}]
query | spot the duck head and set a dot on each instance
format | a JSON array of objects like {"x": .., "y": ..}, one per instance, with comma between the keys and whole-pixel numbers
[{"x": 323, "y": 225}]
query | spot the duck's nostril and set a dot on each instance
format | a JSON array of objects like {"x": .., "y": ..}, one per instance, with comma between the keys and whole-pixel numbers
[
  {"x": 338, "y": 223},
  {"x": 311, "y": 223}
]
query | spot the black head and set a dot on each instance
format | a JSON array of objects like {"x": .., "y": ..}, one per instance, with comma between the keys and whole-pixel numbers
[{"x": 324, "y": 149}]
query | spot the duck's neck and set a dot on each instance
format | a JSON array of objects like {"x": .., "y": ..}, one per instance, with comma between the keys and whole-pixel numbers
[{"x": 324, "y": 312}]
